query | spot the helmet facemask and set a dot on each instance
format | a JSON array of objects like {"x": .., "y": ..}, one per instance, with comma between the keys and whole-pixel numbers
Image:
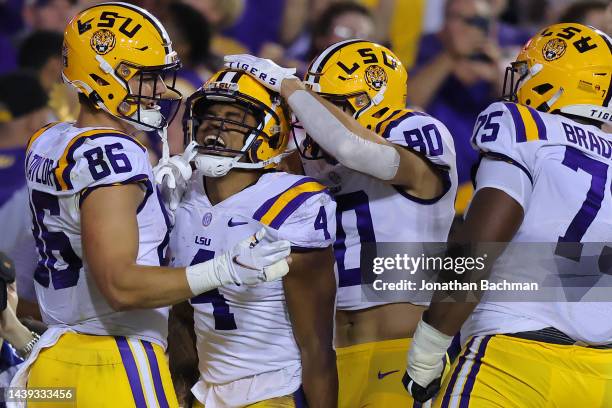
[
  {"x": 217, "y": 135},
  {"x": 152, "y": 91}
]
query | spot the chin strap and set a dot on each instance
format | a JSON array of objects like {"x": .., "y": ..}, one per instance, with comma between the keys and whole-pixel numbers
[{"x": 218, "y": 166}]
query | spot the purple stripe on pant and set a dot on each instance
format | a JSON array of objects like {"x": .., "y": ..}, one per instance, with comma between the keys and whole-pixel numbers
[
  {"x": 453, "y": 380},
  {"x": 157, "y": 380},
  {"x": 132, "y": 371},
  {"x": 469, "y": 384}
]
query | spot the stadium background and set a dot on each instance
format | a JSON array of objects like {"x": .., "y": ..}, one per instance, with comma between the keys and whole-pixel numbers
[{"x": 456, "y": 53}]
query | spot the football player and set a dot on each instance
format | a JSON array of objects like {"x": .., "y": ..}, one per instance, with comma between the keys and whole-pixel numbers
[
  {"x": 392, "y": 171},
  {"x": 545, "y": 176},
  {"x": 269, "y": 345},
  {"x": 99, "y": 225}
]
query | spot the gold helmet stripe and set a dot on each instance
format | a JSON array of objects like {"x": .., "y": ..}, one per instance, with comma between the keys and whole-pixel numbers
[{"x": 317, "y": 65}]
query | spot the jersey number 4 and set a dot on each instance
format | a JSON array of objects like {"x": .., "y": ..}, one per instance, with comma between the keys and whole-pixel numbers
[{"x": 224, "y": 320}]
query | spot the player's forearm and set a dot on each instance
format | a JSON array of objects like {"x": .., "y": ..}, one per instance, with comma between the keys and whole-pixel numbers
[
  {"x": 343, "y": 138},
  {"x": 17, "y": 334},
  {"x": 143, "y": 287},
  {"x": 427, "y": 81},
  {"x": 320, "y": 378},
  {"x": 448, "y": 317}
]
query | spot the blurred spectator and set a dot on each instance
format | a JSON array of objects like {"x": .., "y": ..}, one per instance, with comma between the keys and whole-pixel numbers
[
  {"x": 252, "y": 35},
  {"x": 222, "y": 14},
  {"x": 41, "y": 52},
  {"x": 399, "y": 25},
  {"x": 341, "y": 21},
  {"x": 47, "y": 14},
  {"x": 8, "y": 56},
  {"x": 608, "y": 27},
  {"x": 23, "y": 110},
  {"x": 191, "y": 37},
  {"x": 592, "y": 13},
  {"x": 459, "y": 71}
]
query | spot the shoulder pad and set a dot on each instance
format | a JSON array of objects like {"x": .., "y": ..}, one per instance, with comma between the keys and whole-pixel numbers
[
  {"x": 510, "y": 132},
  {"x": 101, "y": 157}
]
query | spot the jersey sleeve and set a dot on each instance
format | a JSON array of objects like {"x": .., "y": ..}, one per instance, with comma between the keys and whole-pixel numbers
[
  {"x": 304, "y": 214},
  {"x": 102, "y": 159},
  {"x": 422, "y": 133},
  {"x": 501, "y": 175},
  {"x": 512, "y": 133}
]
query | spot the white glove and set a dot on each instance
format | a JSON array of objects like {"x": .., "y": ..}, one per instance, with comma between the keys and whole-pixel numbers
[
  {"x": 426, "y": 361},
  {"x": 259, "y": 258},
  {"x": 173, "y": 174},
  {"x": 267, "y": 72},
  {"x": 256, "y": 259}
]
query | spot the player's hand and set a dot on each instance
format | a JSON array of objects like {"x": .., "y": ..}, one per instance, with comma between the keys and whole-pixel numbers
[
  {"x": 259, "y": 258},
  {"x": 268, "y": 73},
  {"x": 426, "y": 359},
  {"x": 172, "y": 176}
]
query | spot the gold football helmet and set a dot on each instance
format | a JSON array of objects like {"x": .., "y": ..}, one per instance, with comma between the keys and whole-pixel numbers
[
  {"x": 565, "y": 68},
  {"x": 366, "y": 76},
  {"x": 263, "y": 143},
  {"x": 107, "y": 45}
]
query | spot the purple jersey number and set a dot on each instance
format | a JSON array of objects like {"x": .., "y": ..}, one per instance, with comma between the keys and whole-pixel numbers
[
  {"x": 358, "y": 202},
  {"x": 99, "y": 168},
  {"x": 224, "y": 320},
  {"x": 54, "y": 247},
  {"x": 576, "y": 160}
]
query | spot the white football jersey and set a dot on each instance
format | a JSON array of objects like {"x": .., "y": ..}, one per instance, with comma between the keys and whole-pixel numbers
[
  {"x": 563, "y": 182},
  {"x": 63, "y": 165},
  {"x": 369, "y": 210},
  {"x": 244, "y": 334}
]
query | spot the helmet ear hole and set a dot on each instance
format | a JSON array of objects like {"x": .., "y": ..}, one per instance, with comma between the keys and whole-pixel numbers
[
  {"x": 542, "y": 88},
  {"x": 98, "y": 80},
  {"x": 380, "y": 113}
]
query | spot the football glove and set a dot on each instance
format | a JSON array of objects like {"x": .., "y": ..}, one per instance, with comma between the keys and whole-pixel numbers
[
  {"x": 426, "y": 360},
  {"x": 173, "y": 174},
  {"x": 265, "y": 71},
  {"x": 259, "y": 258}
]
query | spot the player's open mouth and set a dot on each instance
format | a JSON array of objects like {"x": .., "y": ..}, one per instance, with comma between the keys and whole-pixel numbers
[{"x": 213, "y": 141}]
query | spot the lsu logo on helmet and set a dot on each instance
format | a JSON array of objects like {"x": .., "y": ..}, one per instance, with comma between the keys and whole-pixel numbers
[
  {"x": 109, "y": 44},
  {"x": 364, "y": 75},
  {"x": 565, "y": 68},
  {"x": 554, "y": 49},
  {"x": 375, "y": 77},
  {"x": 103, "y": 41}
]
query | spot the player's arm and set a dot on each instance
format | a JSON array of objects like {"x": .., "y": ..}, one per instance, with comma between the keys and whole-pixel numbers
[
  {"x": 110, "y": 242},
  {"x": 310, "y": 292},
  {"x": 359, "y": 148},
  {"x": 342, "y": 136},
  {"x": 494, "y": 216}
]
